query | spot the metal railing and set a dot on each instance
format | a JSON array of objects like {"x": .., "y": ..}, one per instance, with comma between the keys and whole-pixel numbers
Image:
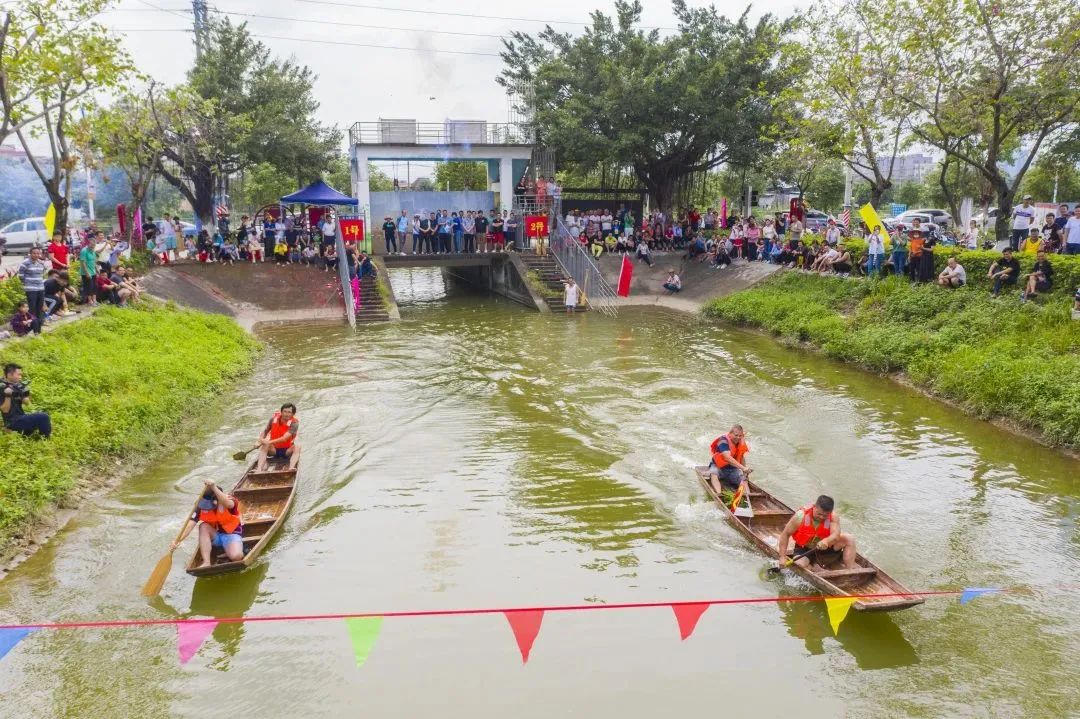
[
  {"x": 576, "y": 262},
  {"x": 451, "y": 132}
]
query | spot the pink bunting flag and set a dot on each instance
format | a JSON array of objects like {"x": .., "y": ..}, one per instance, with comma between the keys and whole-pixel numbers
[
  {"x": 190, "y": 635},
  {"x": 687, "y": 615},
  {"x": 526, "y": 625},
  {"x": 136, "y": 224}
]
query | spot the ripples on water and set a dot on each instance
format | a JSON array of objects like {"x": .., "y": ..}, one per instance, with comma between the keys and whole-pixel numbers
[{"x": 478, "y": 453}]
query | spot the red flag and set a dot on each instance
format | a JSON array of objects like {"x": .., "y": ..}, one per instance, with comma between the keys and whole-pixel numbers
[
  {"x": 526, "y": 625},
  {"x": 626, "y": 273},
  {"x": 121, "y": 219},
  {"x": 687, "y": 615},
  {"x": 190, "y": 635}
]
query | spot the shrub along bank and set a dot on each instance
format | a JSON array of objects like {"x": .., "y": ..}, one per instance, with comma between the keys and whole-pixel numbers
[
  {"x": 997, "y": 358},
  {"x": 115, "y": 384}
]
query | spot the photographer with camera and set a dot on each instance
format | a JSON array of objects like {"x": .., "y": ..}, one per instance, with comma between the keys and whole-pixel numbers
[{"x": 14, "y": 397}]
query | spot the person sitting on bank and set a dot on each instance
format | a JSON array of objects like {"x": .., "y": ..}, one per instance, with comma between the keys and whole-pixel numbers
[
  {"x": 278, "y": 439},
  {"x": 727, "y": 467},
  {"x": 14, "y": 398},
  {"x": 815, "y": 531},
  {"x": 1041, "y": 278},
  {"x": 22, "y": 321},
  {"x": 1004, "y": 272},
  {"x": 672, "y": 284},
  {"x": 954, "y": 274},
  {"x": 220, "y": 525}
]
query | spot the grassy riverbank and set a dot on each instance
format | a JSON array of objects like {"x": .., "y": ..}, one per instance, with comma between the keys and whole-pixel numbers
[
  {"x": 115, "y": 385},
  {"x": 997, "y": 358}
]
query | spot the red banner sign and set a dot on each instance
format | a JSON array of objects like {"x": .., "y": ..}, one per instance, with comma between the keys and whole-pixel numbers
[
  {"x": 536, "y": 226},
  {"x": 352, "y": 229}
]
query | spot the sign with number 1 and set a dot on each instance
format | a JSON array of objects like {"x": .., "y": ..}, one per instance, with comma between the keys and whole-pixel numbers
[{"x": 352, "y": 229}]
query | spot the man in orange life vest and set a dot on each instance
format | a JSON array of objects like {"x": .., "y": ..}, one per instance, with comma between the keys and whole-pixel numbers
[
  {"x": 816, "y": 527},
  {"x": 220, "y": 525},
  {"x": 728, "y": 451},
  {"x": 279, "y": 438}
]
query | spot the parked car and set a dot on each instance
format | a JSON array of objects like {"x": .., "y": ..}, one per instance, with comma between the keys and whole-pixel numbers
[
  {"x": 926, "y": 224},
  {"x": 815, "y": 221},
  {"x": 939, "y": 217},
  {"x": 21, "y": 235}
]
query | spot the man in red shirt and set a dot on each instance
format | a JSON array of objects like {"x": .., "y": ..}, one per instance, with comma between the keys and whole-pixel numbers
[{"x": 58, "y": 252}]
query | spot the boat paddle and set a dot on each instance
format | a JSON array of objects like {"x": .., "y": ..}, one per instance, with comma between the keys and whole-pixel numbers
[
  {"x": 791, "y": 560},
  {"x": 164, "y": 566},
  {"x": 241, "y": 455}
]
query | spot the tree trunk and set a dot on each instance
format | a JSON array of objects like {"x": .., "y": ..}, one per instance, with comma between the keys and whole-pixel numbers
[{"x": 1005, "y": 196}]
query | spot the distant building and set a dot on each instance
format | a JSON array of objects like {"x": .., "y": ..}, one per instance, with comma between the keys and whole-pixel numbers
[{"x": 911, "y": 168}]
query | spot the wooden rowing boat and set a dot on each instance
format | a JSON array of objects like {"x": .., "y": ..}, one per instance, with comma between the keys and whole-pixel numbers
[
  {"x": 265, "y": 499},
  {"x": 764, "y": 529}
]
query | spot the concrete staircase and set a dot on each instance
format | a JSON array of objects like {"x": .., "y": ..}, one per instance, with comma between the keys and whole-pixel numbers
[
  {"x": 372, "y": 307},
  {"x": 552, "y": 277}
]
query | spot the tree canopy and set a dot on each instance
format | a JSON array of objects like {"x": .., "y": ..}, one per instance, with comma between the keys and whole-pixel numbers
[{"x": 665, "y": 106}]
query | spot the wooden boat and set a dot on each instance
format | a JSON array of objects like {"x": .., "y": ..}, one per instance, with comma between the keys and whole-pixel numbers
[
  {"x": 764, "y": 528},
  {"x": 265, "y": 499}
]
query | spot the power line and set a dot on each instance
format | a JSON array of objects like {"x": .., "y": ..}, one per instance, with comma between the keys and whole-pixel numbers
[
  {"x": 354, "y": 24},
  {"x": 322, "y": 42},
  {"x": 459, "y": 14}
]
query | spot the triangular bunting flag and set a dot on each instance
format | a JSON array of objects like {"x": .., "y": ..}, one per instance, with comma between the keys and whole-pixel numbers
[
  {"x": 190, "y": 635},
  {"x": 687, "y": 615},
  {"x": 970, "y": 593},
  {"x": 526, "y": 625},
  {"x": 838, "y": 609},
  {"x": 10, "y": 637},
  {"x": 626, "y": 275},
  {"x": 363, "y": 631},
  {"x": 50, "y": 220}
]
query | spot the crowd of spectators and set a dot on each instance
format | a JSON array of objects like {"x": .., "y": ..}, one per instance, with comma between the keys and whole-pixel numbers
[{"x": 451, "y": 232}]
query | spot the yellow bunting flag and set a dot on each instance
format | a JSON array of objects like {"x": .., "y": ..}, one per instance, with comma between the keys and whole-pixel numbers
[
  {"x": 50, "y": 220},
  {"x": 871, "y": 217},
  {"x": 363, "y": 631},
  {"x": 838, "y": 609}
]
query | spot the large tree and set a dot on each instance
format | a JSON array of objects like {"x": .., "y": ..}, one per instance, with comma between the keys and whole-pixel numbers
[
  {"x": 839, "y": 95},
  {"x": 461, "y": 176},
  {"x": 981, "y": 78},
  {"x": 243, "y": 107},
  {"x": 667, "y": 107},
  {"x": 54, "y": 57},
  {"x": 127, "y": 135}
]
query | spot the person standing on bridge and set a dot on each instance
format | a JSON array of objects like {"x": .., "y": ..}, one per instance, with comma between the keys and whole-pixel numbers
[
  {"x": 444, "y": 233},
  {"x": 481, "y": 230},
  {"x": 389, "y": 228},
  {"x": 403, "y": 231},
  {"x": 459, "y": 230},
  {"x": 468, "y": 226},
  {"x": 497, "y": 226},
  {"x": 427, "y": 233}
]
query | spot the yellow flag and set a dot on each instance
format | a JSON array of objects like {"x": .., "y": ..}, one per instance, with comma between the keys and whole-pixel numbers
[
  {"x": 870, "y": 217},
  {"x": 50, "y": 220},
  {"x": 838, "y": 608}
]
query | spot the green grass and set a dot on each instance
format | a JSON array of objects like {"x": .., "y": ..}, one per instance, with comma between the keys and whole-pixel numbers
[
  {"x": 997, "y": 358},
  {"x": 115, "y": 384}
]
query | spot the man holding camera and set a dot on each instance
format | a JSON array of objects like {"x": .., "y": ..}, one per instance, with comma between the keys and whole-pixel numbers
[{"x": 14, "y": 398}]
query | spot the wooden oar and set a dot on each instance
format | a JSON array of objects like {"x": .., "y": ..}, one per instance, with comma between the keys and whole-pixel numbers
[
  {"x": 791, "y": 560},
  {"x": 240, "y": 455},
  {"x": 164, "y": 566}
]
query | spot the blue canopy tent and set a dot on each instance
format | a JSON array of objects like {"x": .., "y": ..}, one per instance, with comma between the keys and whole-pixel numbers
[{"x": 319, "y": 193}]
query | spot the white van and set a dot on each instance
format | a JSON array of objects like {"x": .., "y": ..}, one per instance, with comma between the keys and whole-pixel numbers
[{"x": 21, "y": 235}]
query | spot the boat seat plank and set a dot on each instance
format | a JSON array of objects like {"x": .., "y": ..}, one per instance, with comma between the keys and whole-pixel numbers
[
  {"x": 771, "y": 512},
  {"x": 866, "y": 572}
]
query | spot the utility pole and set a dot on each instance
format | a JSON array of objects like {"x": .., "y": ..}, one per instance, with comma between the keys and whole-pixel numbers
[{"x": 201, "y": 14}]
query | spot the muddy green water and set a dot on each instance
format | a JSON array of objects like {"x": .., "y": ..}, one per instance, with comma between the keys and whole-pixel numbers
[{"x": 477, "y": 454}]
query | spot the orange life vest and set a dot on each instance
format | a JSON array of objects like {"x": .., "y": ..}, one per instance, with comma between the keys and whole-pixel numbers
[
  {"x": 737, "y": 451},
  {"x": 223, "y": 520},
  {"x": 279, "y": 429},
  {"x": 807, "y": 533}
]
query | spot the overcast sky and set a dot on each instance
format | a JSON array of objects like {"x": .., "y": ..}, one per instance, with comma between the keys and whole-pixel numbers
[{"x": 421, "y": 81}]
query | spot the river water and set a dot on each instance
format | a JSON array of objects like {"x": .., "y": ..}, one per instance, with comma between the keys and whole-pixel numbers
[{"x": 480, "y": 455}]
